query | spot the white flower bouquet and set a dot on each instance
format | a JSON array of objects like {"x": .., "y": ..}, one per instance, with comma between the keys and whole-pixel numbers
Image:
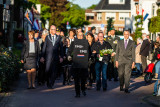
[{"x": 106, "y": 51}]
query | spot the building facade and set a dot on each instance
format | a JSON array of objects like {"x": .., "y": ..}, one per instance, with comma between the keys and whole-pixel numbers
[
  {"x": 123, "y": 13},
  {"x": 116, "y": 9}
]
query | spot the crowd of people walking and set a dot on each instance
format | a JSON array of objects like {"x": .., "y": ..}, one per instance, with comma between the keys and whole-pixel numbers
[{"x": 49, "y": 54}]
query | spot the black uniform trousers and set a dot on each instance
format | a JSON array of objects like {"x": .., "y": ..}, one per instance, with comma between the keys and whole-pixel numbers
[
  {"x": 80, "y": 76},
  {"x": 41, "y": 72},
  {"x": 124, "y": 71},
  {"x": 51, "y": 72}
]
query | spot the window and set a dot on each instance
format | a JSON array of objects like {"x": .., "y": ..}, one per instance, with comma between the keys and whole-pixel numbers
[
  {"x": 90, "y": 17},
  {"x": 121, "y": 1},
  {"x": 99, "y": 16},
  {"x": 116, "y": 1},
  {"x": 120, "y": 29},
  {"x": 110, "y": 15},
  {"x": 122, "y": 16}
]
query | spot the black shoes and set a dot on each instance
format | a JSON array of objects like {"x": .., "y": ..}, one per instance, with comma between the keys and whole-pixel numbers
[
  {"x": 115, "y": 80},
  {"x": 104, "y": 89},
  {"x": 33, "y": 87},
  {"x": 126, "y": 91},
  {"x": 84, "y": 93},
  {"x": 109, "y": 79},
  {"x": 98, "y": 89},
  {"x": 77, "y": 95},
  {"x": 29, "y": 88},
  {"x": 121, "y": 88}
]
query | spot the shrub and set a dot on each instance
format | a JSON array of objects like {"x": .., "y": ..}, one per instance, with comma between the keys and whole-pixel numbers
[{"x": 9, "y": 68}]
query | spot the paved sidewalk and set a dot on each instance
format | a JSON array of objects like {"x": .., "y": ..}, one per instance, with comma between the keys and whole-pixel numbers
[{"x": 63, "y": 96}]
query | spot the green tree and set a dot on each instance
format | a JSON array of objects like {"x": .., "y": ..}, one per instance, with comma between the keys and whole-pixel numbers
[
  {"x": 155, "y": 23},
  {"x": 92, "y": 7},
  {"x": 75, "y": 15},
  {"x": 56, "y": 7},
  {"x": 138, "y": 24},
  {"x": 110, "y": 25}
]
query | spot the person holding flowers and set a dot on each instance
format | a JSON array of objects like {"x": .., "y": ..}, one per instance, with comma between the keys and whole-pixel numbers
[{"x": 102, "y": 54}]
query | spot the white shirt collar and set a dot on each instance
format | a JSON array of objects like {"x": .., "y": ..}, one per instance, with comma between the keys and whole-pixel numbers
[{"x": 127, "y": 40}]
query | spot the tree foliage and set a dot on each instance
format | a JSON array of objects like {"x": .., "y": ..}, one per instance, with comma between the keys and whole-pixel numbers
[
  {"x": 155, "y": 23},
  {"x": 56, "y": 7},
  {"x": 75, "y": 15},
  {"x": 92, "y": 7},
  {"x": 138, "y": 24},
  {"x": 110, "y": 25}
]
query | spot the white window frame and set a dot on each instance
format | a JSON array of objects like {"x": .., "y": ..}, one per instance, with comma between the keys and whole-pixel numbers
[
  {"x": 110, "y": 15},
  {"x": 99, "y": 16},
  {"x": 125, "y": 15},
  {"x": 116, "y": 2}
]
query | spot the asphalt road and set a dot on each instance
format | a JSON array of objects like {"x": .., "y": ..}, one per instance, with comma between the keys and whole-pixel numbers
[{"x": 63, "y": 96}]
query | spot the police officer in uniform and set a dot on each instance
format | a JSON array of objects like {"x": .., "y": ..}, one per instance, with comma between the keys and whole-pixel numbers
[
  {"x": 113, "y": 40},
  {"x": 79, "y": 50}
]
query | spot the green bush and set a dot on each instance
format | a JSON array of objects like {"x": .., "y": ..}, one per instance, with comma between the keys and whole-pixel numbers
[{"x": 9, "y": 68}]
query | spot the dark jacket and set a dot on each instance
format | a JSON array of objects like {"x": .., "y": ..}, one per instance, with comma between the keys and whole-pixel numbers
[
  {"x": 25, "y": 50},
  {"x": 90, "y": 49},
  {"x": 113, "y": 42},
  {"x": 144, "y": 51},
  {"x": 50, "y": 52},
  {"x": 97, "y": 47},
  {"x": 157, "y": 51},
  {"x": 79, "y": 50}
]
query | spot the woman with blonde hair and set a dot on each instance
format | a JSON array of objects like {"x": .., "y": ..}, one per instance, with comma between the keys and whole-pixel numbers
[{"x": 29, "y": 56}]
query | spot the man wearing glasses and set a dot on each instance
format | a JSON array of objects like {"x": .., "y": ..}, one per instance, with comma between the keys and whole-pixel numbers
[
  {"x": 52, "y": 54},
  {"x": 101, "y": 65}
]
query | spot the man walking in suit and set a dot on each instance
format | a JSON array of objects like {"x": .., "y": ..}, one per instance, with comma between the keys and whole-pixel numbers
[
  {"x": 144, "y": 51},
  {"x": 125, "y": 60},
  {"x": 52, "y": 53}
]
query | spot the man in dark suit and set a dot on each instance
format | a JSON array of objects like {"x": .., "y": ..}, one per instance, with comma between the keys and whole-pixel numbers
[
  {"x": 125, "y": 60},
  {"x": 52, "y": 53},
  {"x": 144, "y": 51}
]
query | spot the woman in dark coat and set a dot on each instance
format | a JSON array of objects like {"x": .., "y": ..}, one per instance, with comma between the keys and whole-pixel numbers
[
  {"x": 91, "y": 62},
  {"x": 29, "y": 56}
]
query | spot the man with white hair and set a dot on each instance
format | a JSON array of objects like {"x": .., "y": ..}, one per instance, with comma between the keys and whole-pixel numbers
[
  {"x": 52, "y": 54},
  {"x": 157, "y": 39},
  {"x": 41, "y": 71},
  {"x": 144, "y": 51}
]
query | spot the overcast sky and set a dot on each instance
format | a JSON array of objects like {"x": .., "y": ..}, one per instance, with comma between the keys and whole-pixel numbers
[{"x": 85, "y": 3}]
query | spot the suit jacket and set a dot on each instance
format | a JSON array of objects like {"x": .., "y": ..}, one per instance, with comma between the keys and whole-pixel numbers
[
  {"x": 50, "y": 52},
  {"x": 144, "y": 51},
  {"x": 137, "y": 55},
  {"x": 25, "y": 50},
  {"x": 125, "y": 55}
]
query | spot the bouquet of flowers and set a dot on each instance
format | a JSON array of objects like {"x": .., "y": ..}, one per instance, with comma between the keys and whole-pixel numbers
[{"x": 106, "y": 51}]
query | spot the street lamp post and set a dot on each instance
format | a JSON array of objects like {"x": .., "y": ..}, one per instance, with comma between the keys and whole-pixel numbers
[{"x": 10, "y": 43}]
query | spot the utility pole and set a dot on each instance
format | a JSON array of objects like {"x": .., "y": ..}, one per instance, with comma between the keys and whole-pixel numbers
[{"x": 11, "y": 39}]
